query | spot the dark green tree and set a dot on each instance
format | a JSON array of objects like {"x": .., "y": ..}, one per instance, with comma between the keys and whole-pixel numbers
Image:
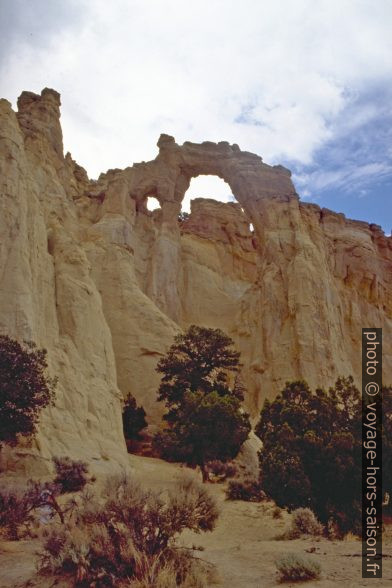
[
  {"x": 134, "y": 418},
  {"x": 204, "y": 417},
  {"x": 25, "y": 388},
  {"x": 311, "y": 453},
  {"x": 183, "y": 216}
]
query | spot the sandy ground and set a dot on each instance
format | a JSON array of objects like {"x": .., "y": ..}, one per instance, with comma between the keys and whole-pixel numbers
[{"x": 243, "y": 546}]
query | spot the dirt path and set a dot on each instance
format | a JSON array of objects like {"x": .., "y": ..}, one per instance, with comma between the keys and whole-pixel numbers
[
  {"x": 243, "y": 546},
  {"x": 17, "y": 562}
]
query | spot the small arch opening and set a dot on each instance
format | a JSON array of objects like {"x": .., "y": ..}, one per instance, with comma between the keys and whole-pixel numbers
[{"x": 152, "y": 203}]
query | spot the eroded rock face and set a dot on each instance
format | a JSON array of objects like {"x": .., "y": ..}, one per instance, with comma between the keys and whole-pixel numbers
[{"x": 89, "y": 273}]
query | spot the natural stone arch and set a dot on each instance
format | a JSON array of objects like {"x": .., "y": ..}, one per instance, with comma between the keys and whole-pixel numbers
[
  {"x": 167, "y": 178},
  {"x": 251, "y": 181}
]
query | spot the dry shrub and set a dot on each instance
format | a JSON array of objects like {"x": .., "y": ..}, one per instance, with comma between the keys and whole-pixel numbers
[
  {"x": 294, "y": 567},
  {"x": 131, "y": 534},
  {"x": 198, "y": 575},
  {"x": 351, "y": 537},
  {"x": 221, "y": 470},
  {"x": 304, "y": 522},
  {"x": 14, "y": 511},
  {"x": 247, "y": 490},
  {"x": 277, "y": 513},
  {"x": 70, "y": 475},
  {"x": 333, "y": 531},
  {"x": 17, "y": 505}
]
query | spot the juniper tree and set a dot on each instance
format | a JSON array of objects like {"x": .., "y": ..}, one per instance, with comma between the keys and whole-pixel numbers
[
  {"x": 311, "y": 455},
  {"x": 134, "y": 418},
  {"x": 204, "y": 416},
  {"x": 25, "y": 388}
]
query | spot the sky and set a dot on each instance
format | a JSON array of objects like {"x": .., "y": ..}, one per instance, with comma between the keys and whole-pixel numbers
[{"x": 302, "y": 83}]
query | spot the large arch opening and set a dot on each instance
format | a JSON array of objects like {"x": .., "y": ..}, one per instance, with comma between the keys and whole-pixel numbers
[
  {"x": 211, "y": 187},
  {"x": 205, "y": 186}
]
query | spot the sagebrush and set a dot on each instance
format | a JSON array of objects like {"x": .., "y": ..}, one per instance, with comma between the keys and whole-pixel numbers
[
  {"x": 71, "y": 475},
  {"x": 304, "y": 522},
  {"x": 294, "y": 567},
  {"x": 248, "y": 490},
  {"x": 18, "y": 504},
  {"x": 129, "y": 534},
  {"x": 221, "y": 470}
]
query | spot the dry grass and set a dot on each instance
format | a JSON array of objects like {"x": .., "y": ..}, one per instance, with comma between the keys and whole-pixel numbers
[{"x": 351, "y": 537}]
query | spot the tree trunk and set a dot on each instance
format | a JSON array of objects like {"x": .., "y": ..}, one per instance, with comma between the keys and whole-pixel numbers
[{"x": 204, "y": 473}]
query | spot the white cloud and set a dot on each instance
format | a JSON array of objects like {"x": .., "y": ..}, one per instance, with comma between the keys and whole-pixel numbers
[
  {"x": 350, "y": 178},
  {"x": 272, "y": 77}
]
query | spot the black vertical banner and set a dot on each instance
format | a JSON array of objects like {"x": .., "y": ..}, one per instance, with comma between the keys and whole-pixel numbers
[{"x": 371, "y": 453}]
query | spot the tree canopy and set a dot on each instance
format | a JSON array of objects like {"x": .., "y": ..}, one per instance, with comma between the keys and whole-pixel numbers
[
  {"x": 134, "y": 418},
  {"x": 200, "y": 359},
  {"x": 205, "y": 419},
  {"x": 25, "y": 388},
  {"x": 311, "y": 453}
]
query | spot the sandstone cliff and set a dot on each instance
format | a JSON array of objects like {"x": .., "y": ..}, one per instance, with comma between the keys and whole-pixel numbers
[{"x": 104, "y": 284}]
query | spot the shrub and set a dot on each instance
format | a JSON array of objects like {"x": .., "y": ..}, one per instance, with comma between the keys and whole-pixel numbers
[
  {"x": 25, "y": 388},
  {"x": 14, "y": 512},
  {"x": 134, "y": 418},
  {"x": 293, "y": 567},
  {"x": 221, "y": 470},
  {"x": 249, "y": 491},
  {"x": 17, "y": 505},
  {"x": 333, "y": 531},
  {"x": 304, "y": 522},
  {"x": 277, "y": 513},
  {"x": 130, "y": 535},
  {"x": 189, "y": 506},
  {"x": 183, "y": 571},
  {"x": 70, "y": 475}
]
